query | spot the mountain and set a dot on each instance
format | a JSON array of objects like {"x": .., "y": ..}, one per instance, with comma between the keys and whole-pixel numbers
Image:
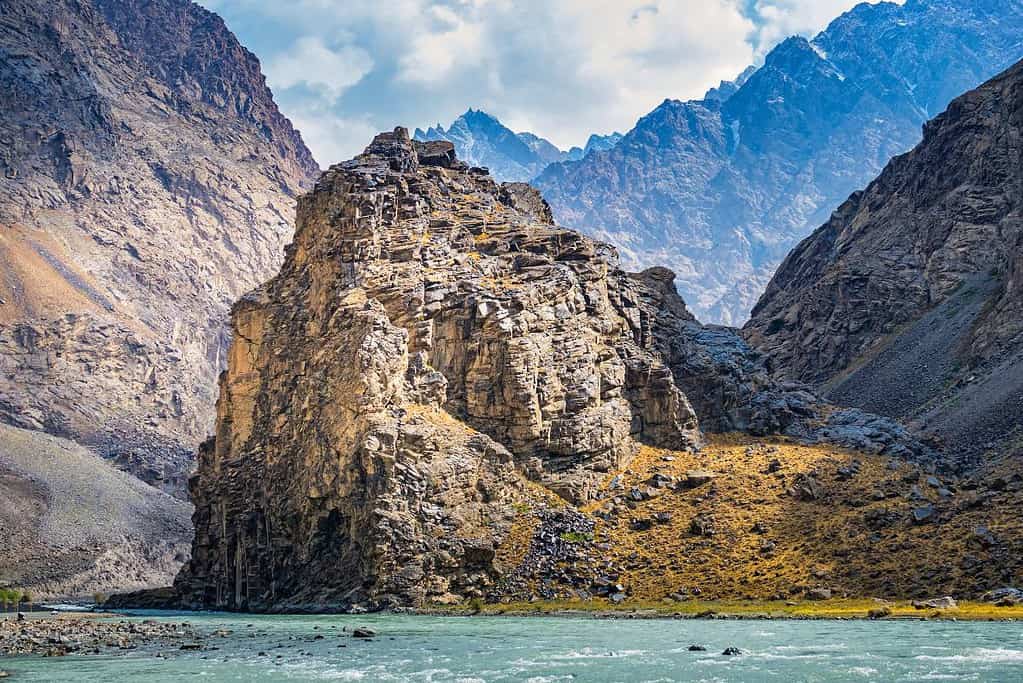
[
  {"x": 726, "y": 89},
  {"x": 600, "y": 143},
  {"x": 438, "y": 396},
  {"x": 148, "y": 182},
  {"x": 907, "y": 302},
  {"x": 482, "y": 140},
  {"x": 721, "y": 189},
  {"x": 73, "y": 525}
]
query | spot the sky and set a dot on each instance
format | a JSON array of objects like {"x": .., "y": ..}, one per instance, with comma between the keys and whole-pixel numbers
[{"x": 343, "y": 70}]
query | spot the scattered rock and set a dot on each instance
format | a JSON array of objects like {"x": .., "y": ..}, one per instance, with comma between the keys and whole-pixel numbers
[
  {"x": 363, "y": 632},
  {"x": 983, "y": 537},
  {"x": 879, "y": 613},
  {"x": 1004, "y": 597},
  {"x": 697, "y": 648},
  {"x": 731, "y": 652},
  {"x": 696, "y": 478},
  {"x": 702, "y": 525}
]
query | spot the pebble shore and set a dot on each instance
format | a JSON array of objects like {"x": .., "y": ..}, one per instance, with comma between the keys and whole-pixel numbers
[{"x": 65, "y": 635}]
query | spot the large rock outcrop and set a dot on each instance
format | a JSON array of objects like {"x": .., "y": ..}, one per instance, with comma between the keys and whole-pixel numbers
[
  {"x": 435, "y": 353},
  {"x": 907, "y": 302},
  {"x": 148, "y": 181},
  {"x": 721, "y": 189}
]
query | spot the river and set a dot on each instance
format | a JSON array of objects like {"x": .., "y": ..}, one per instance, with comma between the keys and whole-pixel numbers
[{"x": 541, "y": 649}]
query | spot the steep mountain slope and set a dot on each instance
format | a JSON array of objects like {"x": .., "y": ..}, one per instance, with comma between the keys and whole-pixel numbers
[
  {"x": 721, "y": 189},
  {"x": 482, "y": 140},
  {"x": 72, "y": 525},
  {"x": 148, "y": 182},
  {"x": 908, "y": 301},
  {"x": 434, "y": 358}
]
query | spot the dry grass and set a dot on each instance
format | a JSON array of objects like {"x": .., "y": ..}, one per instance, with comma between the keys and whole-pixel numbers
[{"x": 822, "y": 543}]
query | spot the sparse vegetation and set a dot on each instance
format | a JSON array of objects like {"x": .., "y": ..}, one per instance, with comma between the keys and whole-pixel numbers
[{"x": 767, "y": 545}]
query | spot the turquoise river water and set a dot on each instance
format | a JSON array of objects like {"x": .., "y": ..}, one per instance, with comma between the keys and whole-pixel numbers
[{"x": 472, "y": 649}]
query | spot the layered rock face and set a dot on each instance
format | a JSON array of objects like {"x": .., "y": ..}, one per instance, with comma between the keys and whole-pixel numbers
[
  {"x": 148, "y": 182},
  {"x": 430, "y": 336},
  {"x": 434, "y": 355},
  {"x": 721, "y": 189},
  {"x": 907, "y": 302}
]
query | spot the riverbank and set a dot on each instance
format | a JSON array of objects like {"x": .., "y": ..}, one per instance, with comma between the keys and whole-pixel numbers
[
  {"x": 57, "y": 635},
  {"x": 863, "y": 609}
]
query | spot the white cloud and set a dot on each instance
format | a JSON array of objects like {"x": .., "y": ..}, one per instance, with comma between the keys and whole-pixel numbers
[
  {"x": 331, "y": 137},
  {"x": 309, "y": 62},
  {"x": 560, "y": 68}
]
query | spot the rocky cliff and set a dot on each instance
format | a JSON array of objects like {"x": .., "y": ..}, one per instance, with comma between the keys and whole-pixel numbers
[
  {"x": 147, "y": 182},
  {"x": 434, "y": 356},
  {"x": 907, "y": 302},
  {"x": 723, "y": 188}
]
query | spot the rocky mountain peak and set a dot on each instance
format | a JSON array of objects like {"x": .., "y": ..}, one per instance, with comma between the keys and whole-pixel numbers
[{"x": 148, "y": 181}]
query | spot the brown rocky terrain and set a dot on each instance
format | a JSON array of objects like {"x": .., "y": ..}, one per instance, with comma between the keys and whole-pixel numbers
[
  {"x": 907, "y": 302},
  {"x": 147, "y": 181},
  {"x": 435, "y": 360}
]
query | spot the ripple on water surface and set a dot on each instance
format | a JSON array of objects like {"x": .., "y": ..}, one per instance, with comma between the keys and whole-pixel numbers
[{"x": 542, "y": 650}]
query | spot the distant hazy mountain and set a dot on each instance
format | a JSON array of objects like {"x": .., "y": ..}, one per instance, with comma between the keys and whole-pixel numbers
[
  {"x": 722, "y": 188},
  {"x": 481, "y": 140}
]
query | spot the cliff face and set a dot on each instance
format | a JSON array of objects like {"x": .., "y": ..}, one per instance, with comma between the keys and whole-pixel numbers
[
  {"x": 721, "y": 189},
  {"x": 148, "y": 182},
  {"x": 907, "y": 302},
  {"x": 434, "y": 354}
]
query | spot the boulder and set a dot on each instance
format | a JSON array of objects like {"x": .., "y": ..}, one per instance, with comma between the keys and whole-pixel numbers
[
  {"x": 946, "y": 602},
  {"x": 805, "y": 487},
  {"x": 924, "y": 514},
  {"x": 819, "y": 594},
  {"x": 1004, "y": 597},
  {"x": 696, "y": 478}
]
